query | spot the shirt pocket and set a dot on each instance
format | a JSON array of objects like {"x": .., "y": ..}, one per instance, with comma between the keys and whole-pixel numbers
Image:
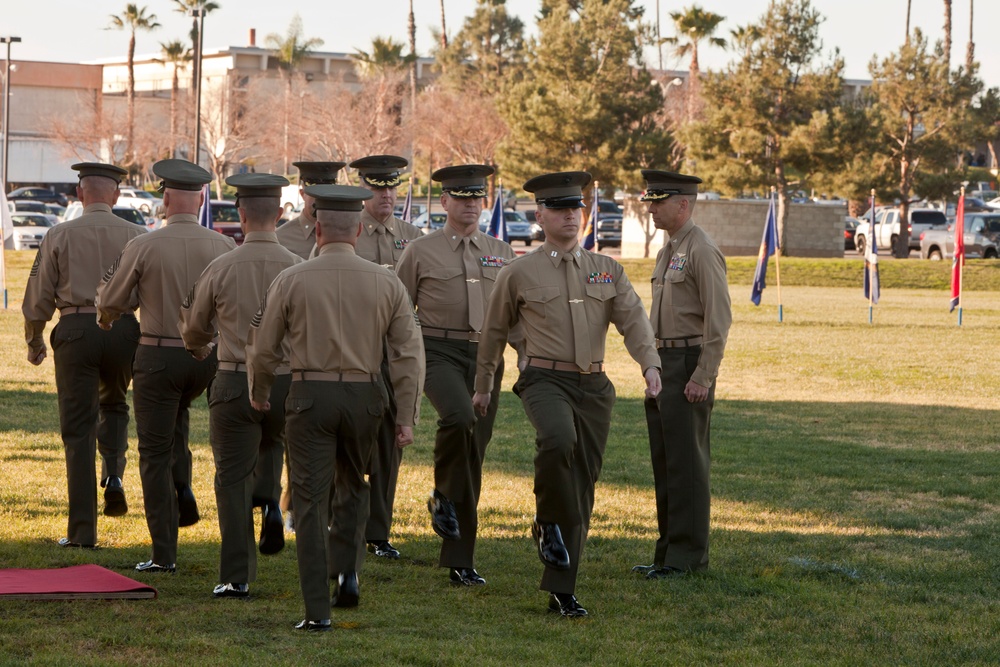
[
  {"x": 541, "y": 300},
  {"x": 444, "y": 285}
]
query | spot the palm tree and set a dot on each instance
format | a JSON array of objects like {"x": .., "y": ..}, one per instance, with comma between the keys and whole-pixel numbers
[
  {"x": 694, "y": 25},
  {"x": 444, "y": 29},
  {"x": 291, "y": 50},
  {"x": 947, "y": 32},
  {"x": 386, "y": 55},
  {"x": 174, "y": 53},
  {"x": 132, "y": 19},
  {"x": 970, "y": 56},
  {"x": 184, "y": 7},
  {"x": 909, "y": 5},
  {"x": 413, "y": 63}
]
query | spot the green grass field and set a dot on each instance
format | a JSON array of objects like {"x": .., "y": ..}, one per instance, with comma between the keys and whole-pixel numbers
[{"x": 856, "y": 502}]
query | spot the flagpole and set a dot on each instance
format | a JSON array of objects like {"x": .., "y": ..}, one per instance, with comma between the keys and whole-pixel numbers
[
  {"x": 961, "y": 262},
  {"x": 777, "y": 264},
  {"x": 871, "y": 266}
]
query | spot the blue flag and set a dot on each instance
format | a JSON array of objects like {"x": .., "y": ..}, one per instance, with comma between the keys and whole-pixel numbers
[
  {"x": 205, "y": 215},
  {"x": 408, "y": 204},
  {"x": 590, "y": 229},
  {"x": 871, "y": 261},
  {"x": 768, "y": 245},
  {"x": 498, "y": 225}
]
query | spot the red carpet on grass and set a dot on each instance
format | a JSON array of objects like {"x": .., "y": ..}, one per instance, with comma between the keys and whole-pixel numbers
[{"x": 79, "y": 582}]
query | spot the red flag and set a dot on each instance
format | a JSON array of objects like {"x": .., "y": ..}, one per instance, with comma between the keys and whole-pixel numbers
[{"x": 958, "y": 260}]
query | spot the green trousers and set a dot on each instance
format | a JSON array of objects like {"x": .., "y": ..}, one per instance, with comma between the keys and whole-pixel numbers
[
  {"x": 571, "y": 413},
  {"x": 383, "y": 473},
  {"x": 248, "y": 447},
  {"x": 461, "y": 439},
  {"x": 93, "y": 371},
  {"x": 679, "y": 446}
]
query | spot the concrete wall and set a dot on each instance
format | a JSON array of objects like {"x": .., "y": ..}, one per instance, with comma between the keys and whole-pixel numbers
[{"x": 813, "y": 230}]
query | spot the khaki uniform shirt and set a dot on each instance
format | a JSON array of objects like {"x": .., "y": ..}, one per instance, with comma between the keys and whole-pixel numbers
[
  {"x": 534, "y": 292},
  {"x": 400, "y": 234},
  {"x": 298, "y": 235},
  {"x": 68, "y": 267},
  {"x": 164, "y": 265},
  {"x": 433, "y": 271},
  {"x": 230, "y": 292},
  {"x": 691, "y": 296},
  {"x": 335, "y": 310}
]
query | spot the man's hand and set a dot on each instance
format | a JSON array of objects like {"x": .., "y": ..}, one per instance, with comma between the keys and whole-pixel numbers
[
  {"x": 481, "y": 403},
  {"x": 694, "y": 392},
  {"x": 105, "y": 326},
  {"x": 653, "y": 383},
  {"x": 36, "y": 357},
  {"x": 201, "y": 354},
  {"x": 261, "y": 407},
  {"x": 404, "y": 436}
]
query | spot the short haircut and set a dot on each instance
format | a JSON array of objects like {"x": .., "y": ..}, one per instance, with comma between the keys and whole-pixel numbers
[
  {"x": 338, "y": 223},
  {"x": 98, "y": 187},
  {"x": 260, "y": 210}
]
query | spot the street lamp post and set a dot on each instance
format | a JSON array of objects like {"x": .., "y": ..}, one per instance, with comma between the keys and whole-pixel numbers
[
  {"x": 6, "y": 108},
  {"x": 199, "y": 14}
]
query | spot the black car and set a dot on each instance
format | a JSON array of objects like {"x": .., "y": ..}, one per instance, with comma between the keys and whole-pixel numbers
[
  {"x": 609, "y": 232},
  {"x": 850, "y": 227},
  {"x": 129, "y": 214},
  {"x": 38, "y": 194}
]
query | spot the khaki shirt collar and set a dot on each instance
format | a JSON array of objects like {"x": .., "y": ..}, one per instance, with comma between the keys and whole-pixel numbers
[
  {"x": 681, "y": 233},
  {"x": 555, "y": 255},
  {"x": 336, "y": 249},
  {"x": 97, "y": 206},
  {"x": 182, "y": 217},
  {"x": 266, "y": 237},
  {"x": 455, "y": 240},
  {"x": 371, "y": 225}
]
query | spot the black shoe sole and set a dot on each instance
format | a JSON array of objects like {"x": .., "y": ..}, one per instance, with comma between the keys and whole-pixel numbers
[
  {"x": 114, "y": 503},
  {"x": 345, "y": 601},
  {"x": 272, "y": 538},
  {"x": 538, "y": 549}
]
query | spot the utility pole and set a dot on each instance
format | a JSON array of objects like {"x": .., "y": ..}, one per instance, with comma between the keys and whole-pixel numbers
[{"x": 6, "y": 109}]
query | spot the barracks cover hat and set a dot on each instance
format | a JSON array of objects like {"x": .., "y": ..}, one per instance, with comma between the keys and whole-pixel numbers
[
  {"x": 180, "y": 175},
  {"x": 380, "y": 171},
  {"x": 318, "y": 173},
  {"x": 338, "y": 197},
  {"x": 563, "y": 189},
  {"x": 257, "y": 185},
  {"x": 466, "y": 180},
  {"x": 662, "y": 184},
  {"x": 100, "y": 169}
]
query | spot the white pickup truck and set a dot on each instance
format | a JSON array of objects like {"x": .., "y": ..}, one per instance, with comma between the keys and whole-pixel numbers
[
  {"x": 139, "y": 200},
  {"x": 887, "y": 227}
]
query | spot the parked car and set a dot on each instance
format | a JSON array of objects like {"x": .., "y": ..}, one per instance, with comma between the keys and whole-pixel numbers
[
  {"x": 38, "y": 194},
  {"x": 609, "y": 232},
  {"x": 437, "y": 221},
  {"x": 518, "y": 227},
  {"x": 982, "y": 239},
  {"x": 138, "y": 199},
  {"x": 226, "y": 219},
  {"x": 28, "y": 206},
  {"x": 606, "y": 207},
  {"x": 887, "y": 227},
  {"x": 29, "y": 230},
  {"x": 416, "y": 210},
  {"x": 850, "y": 227},
  {"x": 129, "y": 214},
  {"x": 537, "y": 233}
]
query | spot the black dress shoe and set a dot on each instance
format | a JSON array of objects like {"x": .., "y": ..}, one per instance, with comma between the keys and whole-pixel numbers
[
  {"x": 187, "y": 506},
  {"x": 444, "y": 521},
  {"x": 272, "y": 530},
  {"x": 551, "y": 550},
  {"x": 150, "y": 566},
  {"x": 466, "y": 576},
  {"x": 114, "y": 497},
  {"x": 231, "y": 591},
  {"x": 644, "y": 569},
  {"x": 566, "y": 605},
  {"x": 346, "y": 593},
  {"x": 665, "y": 572},
  {"x": 313, "y": 626},
  {"x": 65, "y": 543},
  {"x": 383, "y": 549}
]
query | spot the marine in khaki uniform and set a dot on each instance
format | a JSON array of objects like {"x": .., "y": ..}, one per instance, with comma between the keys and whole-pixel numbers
[
  {"x": 382, "y": 241},
  {"x": 450, "y": 275},
  {"x": 247, "y": 444},
  {"x": 335, "y": 311},
  {"x": 691, "y": 317},
  {"x": 93, "y": 367},
  {"x": 564, "y": 297},
  {"x": 299, "y": 233},
  {"x": 163, "y": 266}
]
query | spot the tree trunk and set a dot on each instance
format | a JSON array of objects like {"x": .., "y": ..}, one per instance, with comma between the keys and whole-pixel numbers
[
  {"x": 909, "y": 3},
  {"x": 174, "y": 89},
  {"x": 413, "y": 65},
  {"x": 781, "y": 180},
  {"x": 947, "y": 33},
  {"x": 444, "y": 29},
  {"x": 130, "y": 106},
  {"x": 902, "y": 249},
  {"x": 694, "y": 82},
  {"x": 970, "y": 58}
]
